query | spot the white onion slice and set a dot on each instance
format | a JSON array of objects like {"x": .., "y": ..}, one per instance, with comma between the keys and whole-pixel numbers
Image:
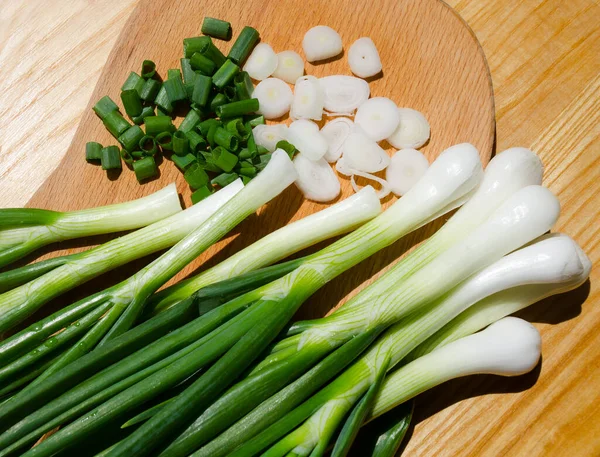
[
  {"x": 262, "y": 62},
  {"x": 381, "y": 193},
  {"x": 274, "y": 98},
  {"x": 405, "y": 169},
  {"x": 378, "y": 117},
  {"x": 290, "y": 66},
  {"x": 305, "y": 136},
  {"x": 328, "y": 114},
  {"x": 363, "y": 58},
  {"x": 316, "y": 180},
  {"x": 321, "y": 42},
  {"x": 343, "y": 94},
  {"x": 364, "y": 154},
  {"x": 342, "y": 168},
  {"x": 269, "y": 135},
  {"x": 308, "y": 99},
  {"x": 413, "y": 130},
  {"x": 336, "y": 132}
]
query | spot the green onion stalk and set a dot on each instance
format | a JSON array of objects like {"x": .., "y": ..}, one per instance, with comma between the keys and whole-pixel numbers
[
  {"x": 228, "y": 350},
  {"x": 503, "y": 177},
  {"x": 554, "y": 264},
  {"x": 20, "y": 302},
  {"x": 334, "y": 220},
  {"x": 24, "y": 230}
]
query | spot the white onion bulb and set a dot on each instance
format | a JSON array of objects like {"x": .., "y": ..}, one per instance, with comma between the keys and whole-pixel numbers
[
  {"x": 308, "y": 99},
  {"x": 321, "y": 42},
  {"x": 274, "y": 98},
  {"x": 405, "y": 169},
  {"x": 290, "y": 66},
  {"x": 363, "y": 58},
  {"x": 336, "y": 132},
  {"x": 413, "y": 130},
  {"x": 316, "y": 180},
  {"x": 378, "y": 117},
  {"x": 262, "y": 62},
  {"x": 269, "y": 135},
  {"x": 343, "y": 94}
]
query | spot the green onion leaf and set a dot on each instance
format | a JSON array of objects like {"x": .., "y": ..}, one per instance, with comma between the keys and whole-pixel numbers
[
  {"x": 189, "y": 75},
  {"x": 115, "y": 123},
  {"x": 226, "y": 139},
  {"x": 225, "y": 74},
  {"x": 133, "y": 81},
  {"x": 224, "y": 179},
  {"x": 130, "y": 138},
  {"x": 202, "y": 193},
  {"x": 181, "y": 144},
  {"x": 216, "y": 28},
  {"x": 243, "y": 85},
  {"x": 148, "y": 146},
  {"x": 182, "y": 162},
  {"x": 165, "y": 141},
  {"x": 145, "y": 168},
  {"x": 202, "y": 64},
  {"x": 174, "y": 86},
  {"x": 195, "y": 176},
  {"x": 158, "y": 124},
  {"x": 202, "y": 90},
  {"x": 148, "y": 69},
  {"x": 150, "y": 90},
  {"x": 238, "y": 108},
  {"x": 243, "y": 45},
  {"x": 104, "y": 106},
  {"x": 194, "y": 44},
  {"x": 163, "y": 102},
  {"x": 224, "y": 159},
  {"x": 93, "y": 151},
  {"x": 111, "y": 158}
]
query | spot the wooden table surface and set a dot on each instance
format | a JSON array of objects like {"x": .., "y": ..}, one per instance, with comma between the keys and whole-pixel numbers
[{"x": 544, "y": 57}]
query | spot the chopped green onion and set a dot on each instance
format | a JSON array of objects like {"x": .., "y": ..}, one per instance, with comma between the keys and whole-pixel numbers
[
  {"x": 150, "y": 90},
  {"x": 137, "y": 154},
  {"x": 165, "y": 141},
  {"x": 204, "y": 126},
  {"x": 224, "y": 159},
  {"x": 258, "y": 120},
  {"x": 262, "y": 150},
  {"x": 115, "y": 123},
  {"x": 195, "y": 176},
  {"x": 251, "y": 145},
  {"x": 202, "y": 89},
  {"x": 104, "y": 106},
  {"x": 131, "y": 102},
  {"x": 230, "y": 94},
  {"x": 243, "y": 45},
  {"x": 207, "y": 161},
  {"x": 148, "y": 146},
  {"x": 248, "y": 172},
  {"x": 157, "y": 124},
  {"x": 203, "y": 64},
  {"x": 210, "y": 136},
  {"x": 182, "y": 162},
  {"x": 216, "y": 28},
  {"x": 147, "y": 111},
  {"x": 213, "y": 53},
  {"x": 224, "y": 75},
  {"x": 218, "y": 100},
  {"x": 131, "y": 137},
  {"x": 127, "y": 157},
  {"x": 243, "y": 85},
  {"x": 194, "y": 44},
  {"x": 189, "y": 75},
  {"x": 245, "y": 154},
  {"x": 145, "y": 168},
  {"x": 197, "y": 142},
  {"x": 148, "y": 69},
  {"x": 287, "y": 147},
  {"x": 93, "y": 151},
  {"x": 245, "y": 180},
  {"x": 237, "y": 127},
  {"x": 174, "y": 86},
  {"x": 189, "y": 121},
  {"x": 201, "y": 194},
  {"x": 224, "y": 179},
  {"x": 238, "y": 108},
  {"x": 163, "y": 102},
  {"x": 133, "y": 81},
  {"x": 111, "y": 158},
  {"x": 181, "y": 144},
  {"x": 262, "y": 161},
  {"x": 226, "y": 139}
]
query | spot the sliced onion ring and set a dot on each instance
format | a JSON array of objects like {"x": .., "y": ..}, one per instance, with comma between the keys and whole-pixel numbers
[
  {"x": 336, "y": 132},
  {"x": 321, "y": 42},
  {"x": 290, "y": 66},
  {"x": 308, "y": 99},
  {"x": 274, "y": 98},
  {"x": 363, "y": 58},
  {"x": 364, "y": 154},
  {"x": 381, "y": 193},
  {"x": 378, "y": 117},
  {"x": 343, "y": 94},
  {"x": 307, "y": 138},
  {"x": 413, "y": 130},
  {"x": 262, "y": 62},
  {"x": 269, "y": 135},
  {"x": 316, "y": 180}
]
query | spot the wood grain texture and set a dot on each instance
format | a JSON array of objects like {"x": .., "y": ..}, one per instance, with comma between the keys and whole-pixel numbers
[{"x": 544, "y": 58}]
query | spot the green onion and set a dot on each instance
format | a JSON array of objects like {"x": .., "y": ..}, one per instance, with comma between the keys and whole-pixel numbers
[
  {"x": 245, "y": 180},
  {"x": 197, "y": 143},
  {"x": 111, "y": 158},
  {"x": 93, "y": 151},
  {"x": 145, "y": 168},
  {"x": 131, "y": 102},
  {"x": 226, "y": 139},
  {"x": 182, "y": 162},
  {"x": 224, "y": 179},
  {"x": 148, "y": 146},
  {"x": 189, "y": 75},
  {"x": 230, "y": 94},
  {"x": 287, "y": 147},
  {"x": 210, "y": 136},
  {"x": 243, "y": 45},
  {"x": 245, "y": 154},
  {"x": 207, "y": 161},
  {"x": 243, "y": 85},
  {"x": 205, "y": 125},
  {"x": 257, "y": 120},
  {"x": 157, "y": 124},
  {"x": 224, "y": 75},
  {"x": 131, "y": 137},
  {"x": 181, "y": 144},
  {"x": 249, "y": 172},
  {"x": 165, "y": 141},
  {"x": 238, "y": 108},
  {"x": 201, "y": 194},
  {"x": 115, "y": 123},
  {"x": 174, "y": 86},
  {"x": 162, "y": 101},
  {"x": 195, "y": 44},
  {"x": 104, "y": 106},
  {"x": 127, "y": 157},
  {"x": 202, "y": 64},
  {"x": 137, "y": 154},
  {"x": 195, "y": 176},
  {"x": 210, "y": 51},
  {"x": 189, "y": 121},
  {"x": 224, "y": 159},
  {"x": 147, "y": 111},
  {"x": 237, "y": 128},
  {"x": 148, "y": 69},
  {"x": 218, "y": 100},
  {"x": 150, "y": 90},
  {"x": 202, "y": 90},
  {"x": 262, "y": 161},
  {"x": 133, "y": 81},
  {"x": 216, "y": 28}
]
